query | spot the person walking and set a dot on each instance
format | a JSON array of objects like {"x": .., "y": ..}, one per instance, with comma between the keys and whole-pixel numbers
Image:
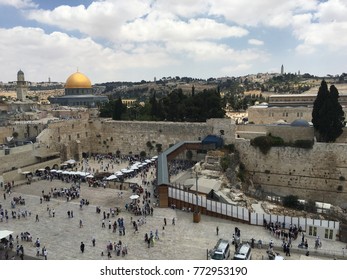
[
  {"x": 82, "y": 247},
  {"x": 173, "y": 221},
  {"x": 217, "y": 230},
  {"x": 45, "y": 253},
  {"x": 164, "y": 221},
  {"x": 93, "y": 241},
  {"x": 37, "y": 218}
]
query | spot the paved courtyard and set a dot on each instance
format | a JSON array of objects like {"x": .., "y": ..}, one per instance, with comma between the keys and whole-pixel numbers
[{"x": 62, "y": 235}]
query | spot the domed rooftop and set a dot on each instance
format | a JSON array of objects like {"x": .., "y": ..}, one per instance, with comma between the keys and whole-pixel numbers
[
  {"x": 78, "y": 80},
  {"x": 300, "y": 122}
]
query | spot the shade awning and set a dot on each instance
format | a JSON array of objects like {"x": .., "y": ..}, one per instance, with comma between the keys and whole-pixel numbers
[
  {"x": 134, "y": 196},
  {"x": 111, "y": 177},
  {"x": 5, "y": 233}
]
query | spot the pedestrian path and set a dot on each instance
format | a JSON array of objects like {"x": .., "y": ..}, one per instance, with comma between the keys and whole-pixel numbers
[{"x": 62, "y": 235}]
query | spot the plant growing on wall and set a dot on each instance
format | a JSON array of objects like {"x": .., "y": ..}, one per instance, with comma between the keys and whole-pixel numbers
[
  {"x": 224, "y": 162},
  {"x": 142, "y": 154},
  {"x": 264, "y": 143},
  {"x": 159, "y": 147},
  {"x": 149, "y": 145},
  {"x": 304, "y": 144}
]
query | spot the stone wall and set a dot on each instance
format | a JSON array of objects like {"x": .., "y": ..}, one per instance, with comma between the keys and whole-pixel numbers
[
  {"x": 286, "y": 132},
  {"x": 5, "y": 131},
  {"x": 318, "y": 174},
  {"x": 268, "y": 115},
  {"x": 74, "y": 136},
  {"x": 132, "y": 137},
  {"x": 16, "y": 175}
]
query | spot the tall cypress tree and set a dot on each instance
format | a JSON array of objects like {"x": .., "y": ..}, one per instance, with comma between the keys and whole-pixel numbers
[{"x": 327, "y": 114}]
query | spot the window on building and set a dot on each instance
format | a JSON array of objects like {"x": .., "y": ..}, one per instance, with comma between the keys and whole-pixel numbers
[
  {"x": 328, "y": 233},
  {"x": 86, "y": 134},
  {"x": 69, "y": 137},
  {"x": 312, "y": 231},
  {"x": 78, "y": 135}
]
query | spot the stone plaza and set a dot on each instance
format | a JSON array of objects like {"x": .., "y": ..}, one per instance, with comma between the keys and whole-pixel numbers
[{"x": 62, "y": 235}]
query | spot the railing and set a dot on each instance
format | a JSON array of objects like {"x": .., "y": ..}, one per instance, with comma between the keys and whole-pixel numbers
[{"x": 243, "y": 214}]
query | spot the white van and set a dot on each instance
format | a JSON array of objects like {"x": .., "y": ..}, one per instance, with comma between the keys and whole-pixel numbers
[
  {"x": 244, "y": 252},
  {"x": 221, "y": 251}
]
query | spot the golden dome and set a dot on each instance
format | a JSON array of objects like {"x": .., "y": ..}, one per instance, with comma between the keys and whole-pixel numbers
[{"x": 78, "y": 80}]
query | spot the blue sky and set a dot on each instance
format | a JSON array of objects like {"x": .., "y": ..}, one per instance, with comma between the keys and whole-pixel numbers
[{"x": 134, "y": 40}]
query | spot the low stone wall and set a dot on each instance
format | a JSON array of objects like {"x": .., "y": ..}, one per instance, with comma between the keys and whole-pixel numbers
[{"x": 16, "y": 175}]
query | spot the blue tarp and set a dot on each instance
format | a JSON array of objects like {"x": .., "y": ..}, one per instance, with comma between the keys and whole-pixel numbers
[{"x": 213, "y": 139}]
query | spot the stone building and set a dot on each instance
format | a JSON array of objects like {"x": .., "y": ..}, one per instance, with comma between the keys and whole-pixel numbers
[
  {"x": 79, "y": 92},
  {"x": 22, "y": 87},
  {"x": 287, "y": 108}
]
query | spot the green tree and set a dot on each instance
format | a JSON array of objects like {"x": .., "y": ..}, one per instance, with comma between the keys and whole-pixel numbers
[
  {"x": 118, "y": 109},
  {"x": 154, "y": 106},
  {"x": 327, "y": 115}
]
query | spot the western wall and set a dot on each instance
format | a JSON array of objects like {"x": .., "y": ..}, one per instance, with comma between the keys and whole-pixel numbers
[
  {"x": 318, "y": 173},
  {"x": 74, "y": 137}
]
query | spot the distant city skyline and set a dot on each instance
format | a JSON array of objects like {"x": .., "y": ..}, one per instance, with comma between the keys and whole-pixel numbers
[{"x": 134, "y": 40}]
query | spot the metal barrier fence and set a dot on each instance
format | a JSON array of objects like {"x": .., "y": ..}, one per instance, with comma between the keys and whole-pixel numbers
[{"x": 243, "y": 214}]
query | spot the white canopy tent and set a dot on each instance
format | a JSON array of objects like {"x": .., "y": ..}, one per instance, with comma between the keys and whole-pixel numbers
[
  {"x": 111, "y": 177},
  {"x": 70, "y": 161},
  {"x": 5, "y": 233}
]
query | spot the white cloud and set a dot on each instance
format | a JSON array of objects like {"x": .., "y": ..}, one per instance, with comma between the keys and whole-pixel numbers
[
  {"x": 158, "y": 28},
  {"x": 58, "y": 55},
  {"x": 185, "y": 9},
  {"x": 266, "y": 12},
  {"x": 100, "y": 19},
  {"x": 113, "y": 39},
  {"x": 19, "y": 4},
  {"x": 323, "y": 28},
  {"x": 239, "y": 69},
  {"x": 255, "y": 42},
  {"x": 332, "y": 10}
]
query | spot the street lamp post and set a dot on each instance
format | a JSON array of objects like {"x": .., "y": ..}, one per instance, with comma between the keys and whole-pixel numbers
[
  {"x": 196, "y": 193},
  {"x": 196, "y": 213}
]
